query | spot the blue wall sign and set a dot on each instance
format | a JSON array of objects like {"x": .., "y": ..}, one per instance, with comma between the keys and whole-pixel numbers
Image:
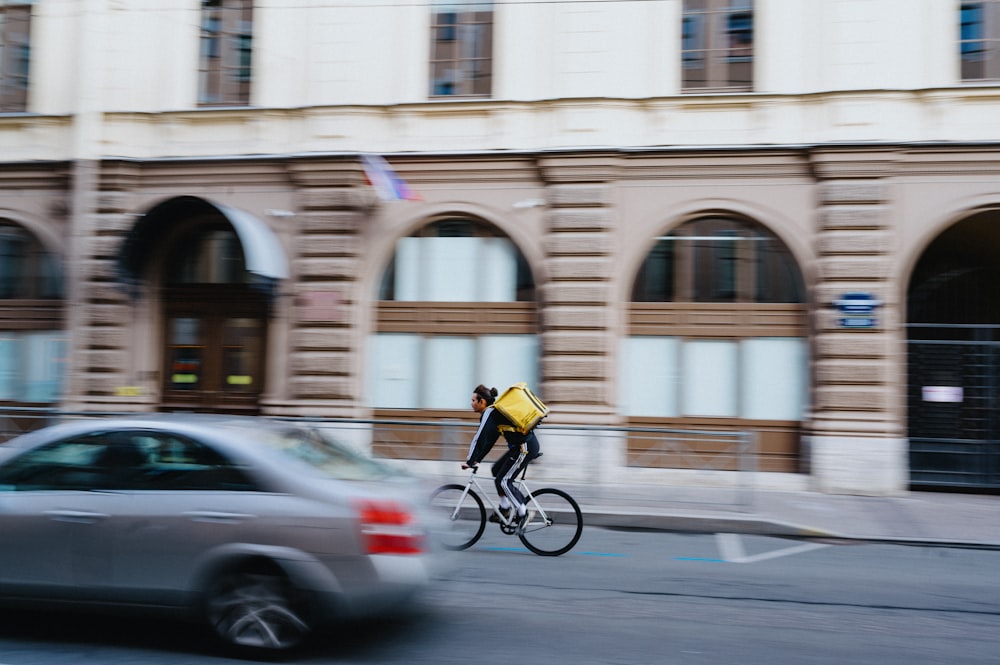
[{"x": 857, "y": 310}]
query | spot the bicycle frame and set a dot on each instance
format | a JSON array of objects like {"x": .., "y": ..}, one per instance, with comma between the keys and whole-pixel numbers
[
  {"x": 529, "y": 498},
  {"x": 546, "y": 507}
]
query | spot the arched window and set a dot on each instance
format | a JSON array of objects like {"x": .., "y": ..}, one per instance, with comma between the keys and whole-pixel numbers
[
  {"x": 719, "y": 260},
  {"x": 207, "y": 255},
  {"x": 27, "y": 270},
  {"x": 32, "y": 339},
  {"x": 457, "y": 260},
  {"x": 717, "y": 335},
  {"x": 455, "y": 309}
]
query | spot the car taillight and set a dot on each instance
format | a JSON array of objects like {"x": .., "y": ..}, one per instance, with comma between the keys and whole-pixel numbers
[{"x": 387, "y": 528}]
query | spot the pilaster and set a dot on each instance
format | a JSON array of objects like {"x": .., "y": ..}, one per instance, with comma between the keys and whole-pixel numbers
[
  {"x": 323, "y": 370},
  {"x": 579, "y": 253},
  {"x": 101, "y": 370},
  {"x": 855, "y": 434}
]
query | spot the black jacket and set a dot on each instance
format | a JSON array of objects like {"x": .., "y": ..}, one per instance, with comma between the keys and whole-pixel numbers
[{"x": 488, "y": 433}]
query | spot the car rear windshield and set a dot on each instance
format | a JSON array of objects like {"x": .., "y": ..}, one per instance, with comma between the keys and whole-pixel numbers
[{"x": 331, "y": 458}]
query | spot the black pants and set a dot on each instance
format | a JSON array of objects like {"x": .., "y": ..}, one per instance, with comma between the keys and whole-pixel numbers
[{"x": 510, "y": 464}]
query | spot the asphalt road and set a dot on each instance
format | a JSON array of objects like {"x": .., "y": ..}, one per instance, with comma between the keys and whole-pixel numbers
[{"x": 624, "y": 598}]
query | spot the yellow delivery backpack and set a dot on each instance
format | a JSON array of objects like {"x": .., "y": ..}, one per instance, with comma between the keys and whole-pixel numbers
[{"x": 521, "y": 407}]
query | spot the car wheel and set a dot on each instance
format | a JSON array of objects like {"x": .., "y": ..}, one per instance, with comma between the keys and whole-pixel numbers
[{"x": 257, "y": 612}]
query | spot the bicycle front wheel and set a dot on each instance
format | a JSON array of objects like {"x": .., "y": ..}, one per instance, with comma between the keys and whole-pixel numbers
[
  {"x": 463, "y": 516},
  {"x": 554, "y": 525}
]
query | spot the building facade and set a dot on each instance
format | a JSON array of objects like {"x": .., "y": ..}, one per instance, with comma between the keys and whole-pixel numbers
[{"x": 776, "y": 216}]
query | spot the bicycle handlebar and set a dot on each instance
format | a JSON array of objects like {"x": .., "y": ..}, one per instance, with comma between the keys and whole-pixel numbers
[{"x": 524, "y": 469}]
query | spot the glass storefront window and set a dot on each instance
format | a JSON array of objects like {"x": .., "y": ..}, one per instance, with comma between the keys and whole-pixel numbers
[
  {"x": 32, "y": 366},
  {"x": 185, "y": 353},
  {"x": 241, "y": 354},
  {"x": 417, "y": 372},
  {"x": 752, "y": 378}
]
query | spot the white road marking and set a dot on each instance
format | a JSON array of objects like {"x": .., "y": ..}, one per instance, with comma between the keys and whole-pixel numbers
[{"x": 732, "y": 550}]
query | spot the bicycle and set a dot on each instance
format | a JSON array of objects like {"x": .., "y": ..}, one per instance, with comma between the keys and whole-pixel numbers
[{"x": 554, "y": 520}]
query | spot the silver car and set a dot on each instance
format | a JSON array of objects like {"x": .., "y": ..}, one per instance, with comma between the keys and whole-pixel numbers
[{"x": 263, "y": 528}]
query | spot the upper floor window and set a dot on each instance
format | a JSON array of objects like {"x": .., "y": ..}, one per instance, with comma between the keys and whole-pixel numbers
[
  {"x": 979, "y": 39},
  {"x": 226, "y": 48},
  {"x": 717, "y": 45},
  {"x": 15, "y": 51},
  {"x": 461, "y": 48}
]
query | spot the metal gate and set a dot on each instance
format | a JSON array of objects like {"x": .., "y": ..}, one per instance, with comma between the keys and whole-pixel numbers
[{"x": 954, "y": 388}]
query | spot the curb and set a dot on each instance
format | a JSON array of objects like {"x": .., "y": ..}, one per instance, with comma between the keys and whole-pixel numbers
[
  {"x": 699, "y": 524},
  {"x": 708, "y": 524}
]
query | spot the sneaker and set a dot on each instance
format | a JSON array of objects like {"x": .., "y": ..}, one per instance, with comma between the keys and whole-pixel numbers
[
  {"x": 522, "y": 521},
  {"x": 496, "y": 518}
]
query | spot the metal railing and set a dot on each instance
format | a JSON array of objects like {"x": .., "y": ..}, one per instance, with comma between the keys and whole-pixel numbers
[
  {"x": 15, "y": 421},
  {"x": 694, "y": 464}
]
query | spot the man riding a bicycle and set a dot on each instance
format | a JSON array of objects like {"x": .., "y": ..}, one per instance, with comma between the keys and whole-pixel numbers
[
  {"x": 521, "y": 449},
  {"x": 546, "y": 520}
]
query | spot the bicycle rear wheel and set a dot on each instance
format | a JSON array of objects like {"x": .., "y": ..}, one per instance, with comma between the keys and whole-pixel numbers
[
  {"x": 555, "y": 523},
  {"x": 462, "y": 514}
]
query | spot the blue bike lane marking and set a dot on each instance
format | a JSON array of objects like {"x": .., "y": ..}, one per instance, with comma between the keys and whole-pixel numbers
[{"x": 523, "y": 549}]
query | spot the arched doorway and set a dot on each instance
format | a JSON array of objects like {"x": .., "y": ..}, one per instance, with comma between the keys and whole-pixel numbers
[
  {"x": 953, "y": 345},
  {"x": 213, "y": 271}
]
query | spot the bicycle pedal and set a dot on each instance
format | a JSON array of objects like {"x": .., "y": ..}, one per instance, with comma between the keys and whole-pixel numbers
[
  {"x": 524, "y": 521},
  {"x": 496, "y": 518}
]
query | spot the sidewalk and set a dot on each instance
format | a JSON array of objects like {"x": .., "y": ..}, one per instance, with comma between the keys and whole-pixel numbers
[{"x": 917, "y": 518}]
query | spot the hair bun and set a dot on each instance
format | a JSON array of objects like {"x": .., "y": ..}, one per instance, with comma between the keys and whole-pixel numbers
[{"x": 493, "y": 391}]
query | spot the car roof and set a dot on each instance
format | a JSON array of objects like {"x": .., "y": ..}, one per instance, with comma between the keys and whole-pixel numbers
[
  {"x": 214, "y": 429},
  {"x": 175, "y": 419},
  {"x": 200, "y": 423}
]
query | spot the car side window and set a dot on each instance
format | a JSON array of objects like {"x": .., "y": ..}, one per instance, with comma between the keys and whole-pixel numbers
[
  {"x": 124, "y": 460},
  {"x": 172, "y": 462},
  {"x": 77, "y": 463}
]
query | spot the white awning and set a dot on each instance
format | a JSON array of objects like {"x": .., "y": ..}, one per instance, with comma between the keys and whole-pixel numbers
[
  {"x": 262, "y": 251},
  {"x": 261, "y": 248}
]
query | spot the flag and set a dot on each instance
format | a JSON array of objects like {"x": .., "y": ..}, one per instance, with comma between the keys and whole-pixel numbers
[{"x": 387, "y": 183}]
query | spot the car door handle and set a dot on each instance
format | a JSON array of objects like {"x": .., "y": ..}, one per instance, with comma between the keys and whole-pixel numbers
[
  {"x": 76, "y": 516},
  {"x": 217, "y": 516}
]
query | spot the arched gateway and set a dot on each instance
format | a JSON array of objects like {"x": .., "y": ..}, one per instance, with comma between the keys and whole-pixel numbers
[{"x": 953, "y": 340}]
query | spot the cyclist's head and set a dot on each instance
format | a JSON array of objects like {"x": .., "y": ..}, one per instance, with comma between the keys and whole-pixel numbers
[{"x": 483, "y": 397}]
